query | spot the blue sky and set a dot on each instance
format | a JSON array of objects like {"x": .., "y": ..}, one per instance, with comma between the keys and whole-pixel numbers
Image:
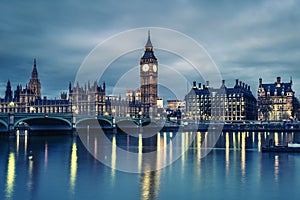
[{"x": 246, "y": 39}]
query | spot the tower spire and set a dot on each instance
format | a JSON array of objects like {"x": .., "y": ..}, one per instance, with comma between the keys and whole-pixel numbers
[
  {"x": 34, "y": 83},
  {"x": 34, "y": 74},
  {"x": 149, "y": 43},
  {"x": 8, "y": 92}
]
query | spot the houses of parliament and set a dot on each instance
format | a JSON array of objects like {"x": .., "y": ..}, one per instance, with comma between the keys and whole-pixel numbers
[
  {"x": 89, "y": 99},
  {"x": 276, "y": 101}
]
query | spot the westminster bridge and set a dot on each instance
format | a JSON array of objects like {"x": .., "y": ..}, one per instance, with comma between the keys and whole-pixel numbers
[
  {"x": 12, "y": 123},
  {"x": 15, "y": 122}
]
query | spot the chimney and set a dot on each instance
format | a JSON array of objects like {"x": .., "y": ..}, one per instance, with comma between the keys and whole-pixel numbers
[
  {"x": 236, "y": 82},
  {"x": 260, "y": 81},
  {"x": 240, "y": 83},
  {"x": 223, "y": 84},
  {"x": 243, "y": 85},
  {"x": 278, "y": 80},
  {"x": 203, "y": 86},
  {"x": 207, "y": 83},
  {"x": 199, "y": 85},
  {"x": 194, "y": 84},
  {"x": 249, "y": 87}
]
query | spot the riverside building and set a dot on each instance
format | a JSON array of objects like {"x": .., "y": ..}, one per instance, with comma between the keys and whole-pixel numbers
[{"x": 207, "y": 103}]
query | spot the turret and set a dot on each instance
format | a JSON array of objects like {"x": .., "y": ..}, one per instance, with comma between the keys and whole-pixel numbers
[{"x": 8, "y": 92}]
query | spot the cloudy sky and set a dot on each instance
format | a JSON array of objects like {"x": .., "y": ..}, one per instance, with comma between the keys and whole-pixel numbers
[{"x": 246, "y": 39}]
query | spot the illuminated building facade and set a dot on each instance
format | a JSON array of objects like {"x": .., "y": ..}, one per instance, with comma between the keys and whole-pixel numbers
[
  {"x": 28, "y": 99},
  {"x": 148, "y": 80},
  {"x": 88, "y": 100},
  {"x": 277, "y": 101},
  {"x": 207, "y": 103}
]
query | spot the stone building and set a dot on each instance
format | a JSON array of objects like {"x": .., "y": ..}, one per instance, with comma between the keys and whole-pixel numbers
[
  {"x": 28, "y": 99},
  {"x": 88, "y": 100},
  {"x": 277, "y": 101},
  {"x": 207, "y": 103},
  {"x": 149, "y": 81}
]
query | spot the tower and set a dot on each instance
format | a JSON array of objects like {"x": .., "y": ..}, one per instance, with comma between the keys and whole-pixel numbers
[
  {"x": 34, "y": 83},
  {"x": 8, "y": 92},
  {"x": 148, "y": 80}
]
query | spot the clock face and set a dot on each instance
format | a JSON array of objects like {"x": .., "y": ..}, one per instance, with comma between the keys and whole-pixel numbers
[
  {"x": 145, "y": 67},
  {"x": 154, "y": 68}
]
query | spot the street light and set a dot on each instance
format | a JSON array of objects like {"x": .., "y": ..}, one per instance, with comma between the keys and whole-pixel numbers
[
  {"x": 113, "y": 117},
  {"x": 74, "y": 109},
  {"x": 11, "y": 106},
  {"x": 140, "y": 117},
  {"x": 31, "y": 109}
]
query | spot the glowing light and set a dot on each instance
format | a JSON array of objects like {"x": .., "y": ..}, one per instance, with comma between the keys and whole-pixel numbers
[
  {"x": 18, "y": 142},
  {"x": 182, "y": 152},
  {"x": 140, "y": 152},
  {"x": 182, "y": 146},
  {"x": 150, "y": 184},
  {"x": 239, "y": 139},
  {"x": 30, "y": 169},
  {"x": 171, "y": 151},
  {"x": 243, "y": 155},
  {"x": 158, "y": 141},
  {"x": 113, "y": 157},
  {"x": 233, "y": 140},
  {"x": 165, "y": 148},
  {"x": 146, "y": 184},
  {"x": 259, "y": 141},
  {"x": 158, "y": 152},
  {"x": 276, "y": 138},
  {"x": 25, "y": 146},
  {"x": 73, "y": 171},
  {"x": 276, "y": 168},
  {"x": 95, "y": 147},
  {"x": 198, "y": 147},
  {"x": 46, "y": 155},
  {"x": 140, "y": 145},
  {"x": 10, "y": 180},
  {"x": 227, "y": 152}
]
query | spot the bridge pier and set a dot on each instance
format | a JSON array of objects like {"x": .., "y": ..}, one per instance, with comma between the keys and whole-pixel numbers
[{"x": 11, "y": 128}]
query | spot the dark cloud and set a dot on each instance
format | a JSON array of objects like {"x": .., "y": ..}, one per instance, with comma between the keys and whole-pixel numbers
[{"x": 247, "y": 39}]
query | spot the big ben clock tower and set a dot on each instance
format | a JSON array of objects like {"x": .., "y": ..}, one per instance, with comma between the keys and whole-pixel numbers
[{"x": 148, "y": 80}]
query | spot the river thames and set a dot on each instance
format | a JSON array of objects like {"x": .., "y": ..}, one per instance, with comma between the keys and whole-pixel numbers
[{"x": 60, "y": 167}]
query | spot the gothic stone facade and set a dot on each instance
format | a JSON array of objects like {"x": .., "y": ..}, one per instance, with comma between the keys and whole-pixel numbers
[{"x": 277, "y": 101}]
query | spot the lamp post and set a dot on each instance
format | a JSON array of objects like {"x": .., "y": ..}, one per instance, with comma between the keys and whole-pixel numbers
[
  {"x": 74, "y": 110},
  {"x": 140, "y": 117},
  {"x": 31, "y": 109},
  {"x": 11, "y": 107},
  {"x": 113, "y": 111}
]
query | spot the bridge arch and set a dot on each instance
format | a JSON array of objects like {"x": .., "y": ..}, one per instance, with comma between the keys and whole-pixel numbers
[
  {"x": 4, "y": 123},
  {"x": 101, "y": 121},
  {"x": 127, "y": 122},
  {"x": 3, "y": 126},
  {"x": 30, "y": 120}
]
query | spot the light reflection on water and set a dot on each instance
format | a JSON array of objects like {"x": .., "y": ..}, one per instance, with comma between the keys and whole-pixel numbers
[
  {"x": 69, "y": 170},
  {"x": 73, "y": 167},
  {"x": 10, "y": 180}
]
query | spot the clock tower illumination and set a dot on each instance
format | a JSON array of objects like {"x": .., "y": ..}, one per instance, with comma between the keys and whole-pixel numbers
[{"x": 148, "y": 80}]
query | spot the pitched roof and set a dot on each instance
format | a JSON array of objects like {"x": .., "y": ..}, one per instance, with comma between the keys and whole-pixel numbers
[{"x": 279, "y": 88}]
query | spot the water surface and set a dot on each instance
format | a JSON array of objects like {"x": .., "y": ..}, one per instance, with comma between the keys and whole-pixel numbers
[{"x": 62, "y": 168}]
